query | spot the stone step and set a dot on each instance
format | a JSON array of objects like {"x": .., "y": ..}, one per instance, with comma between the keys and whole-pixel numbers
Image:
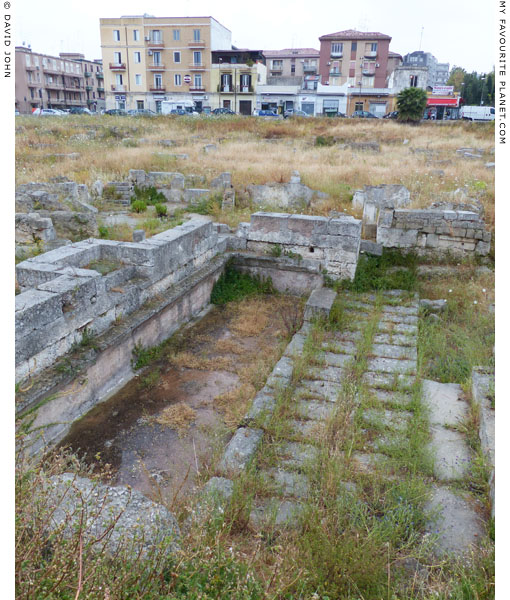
[
  {"x": 288, "y": 483},
  {"x": 392, "y": 365},
  {"x": 394, "y": 351},
  {"x": 452, "y": 457},
  {"x": 445, "y": 402}
]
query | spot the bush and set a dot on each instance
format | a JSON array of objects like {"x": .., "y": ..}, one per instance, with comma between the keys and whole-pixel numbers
[
  {"x": 324, "y": 140},
  {"x": 234, "y": 285},
  {"x": 149, "y": 195},
  {"x": 139, "y": 206},
  {"x": 161, "y": 210}
]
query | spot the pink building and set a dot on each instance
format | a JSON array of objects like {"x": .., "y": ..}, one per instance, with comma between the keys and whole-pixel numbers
[{"x": 354, "y": 57}]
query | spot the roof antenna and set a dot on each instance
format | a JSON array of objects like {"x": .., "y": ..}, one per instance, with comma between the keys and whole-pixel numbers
[{"x": 421, "y": 36}]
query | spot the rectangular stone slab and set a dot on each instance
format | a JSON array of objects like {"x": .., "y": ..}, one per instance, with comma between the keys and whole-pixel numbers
[
  {"x": 444, "y": 401},
  {"x": 391, "y": 365},
  {"x": 451, "y": 452},
  {"x": 241, "y": 449},
  {"x": 394, "y": 351}
]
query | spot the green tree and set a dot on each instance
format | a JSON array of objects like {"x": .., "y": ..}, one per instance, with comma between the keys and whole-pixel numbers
[
  {"x": 411, "y": 104},
  {"x": 456, "y": 78},
  {"x": 473, "y": 87}
]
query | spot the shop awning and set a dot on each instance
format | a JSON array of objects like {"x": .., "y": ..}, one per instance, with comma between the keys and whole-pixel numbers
[{"x": 442, "y": 102}]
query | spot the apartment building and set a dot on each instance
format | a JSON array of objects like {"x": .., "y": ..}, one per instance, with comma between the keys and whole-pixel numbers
[
  {"x": 291, "y": 62},
  {"x": 438, "y": 73},
  {"x": 44, "y": 81},
  {"x": 94, "y": 80},
  {"x": 354, "y": 57},
  {"x": 149, "y": 59},
  {"x": 235, "y": 75}
]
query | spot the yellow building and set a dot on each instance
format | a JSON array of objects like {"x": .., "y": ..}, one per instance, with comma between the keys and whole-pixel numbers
[
  {"x": 234, "y": 77},
  {"x": 149, "y": 59}
]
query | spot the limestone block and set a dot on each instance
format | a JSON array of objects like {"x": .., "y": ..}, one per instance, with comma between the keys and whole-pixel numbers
[
  {"x": 164, "y": 179},
  {"x": 369, "y": 247},
  {"x": 191, "y": 194},
  {"x": 394, "y": 238},
  {"x": 482, "y": 248},
  {"x": 35, "y": 308},
  {"x": 345, "y": 226},
  {"x": 222, "y": 182},
  {"x": 137, "y": 176},
  {"x": 240, "y": 449},
  {"x": 138, "y": 235},
  {"x": 243, "y": 230},
  {"x": 319, "y": 303},
  {"x": 29, "y": 274},
  {"x": 464, "y": 215},
  {"x": 385, "y": 218},
  {"x": 358, "y": 200},
  {"x": 31, "y": 228}
]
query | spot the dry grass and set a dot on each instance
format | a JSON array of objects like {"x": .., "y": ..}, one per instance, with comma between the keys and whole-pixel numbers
[
  {"x": 252, "y": 151},
  {"x": 234, "y": 404},
  {"x": 187, "y": 360},
  {"x": 229, "y": 346},
  {"x": 252, "y": 317},
  {"x": 178, "y": 416}
]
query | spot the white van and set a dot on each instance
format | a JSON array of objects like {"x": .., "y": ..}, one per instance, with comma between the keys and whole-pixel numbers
[{"x": 477, "y": 113}]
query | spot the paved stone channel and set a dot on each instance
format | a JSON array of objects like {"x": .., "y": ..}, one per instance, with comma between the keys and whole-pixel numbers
[{"x": 389, "y": 322}]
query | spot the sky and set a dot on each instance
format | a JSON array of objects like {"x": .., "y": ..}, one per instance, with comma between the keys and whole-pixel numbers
[{"x": 460, "y": 33}]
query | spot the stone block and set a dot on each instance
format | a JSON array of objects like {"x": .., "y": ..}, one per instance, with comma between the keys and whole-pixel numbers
[
  {"x": 394, "y": 238},
  {"x": 138, "y": 235},
  {"x": 35, "y": 308},
  {"x": 241, "y": 449},
  {"x": 195, "y": 194},
  {"x": 451, "y": 452},
  {"x": 29, "y": 274},
  {"x": 319, "y": 303},
  {"x": 464, "y": 215},
  {"x": 163, "y": 179},
  {"x": 345, "y": 226},
  {"x": 482, "y": 248},
  {"x": 369, "y": 247},
  {"x": 262, "y": 406},
  {"x": 222, "y": 182}
]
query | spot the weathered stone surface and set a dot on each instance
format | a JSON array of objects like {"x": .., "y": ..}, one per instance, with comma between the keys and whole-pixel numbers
[
  {"x": 456, "y": 524},
  {"x": 391, "y": 365},
  {"x": 137, "y": 521},
  {"x": 240, "y": 449},
  {"x": 309, "y": 430},
  {"x": 348, "y": 348},
  {"x": 319, "y": 303},
  {"x": 451, "y": 452},
  {"x": 433, "y": 305},
  {"x": 275, "y": 513},
  {"x": 397, "y": 339},
  {"x": 367, "y": 462},
  {"x": 222, "y": 182},
  {"x": 208, "y": 148},
  {"x": 445, "y": 402},
  {"x": 369, "y": 247},
  {"x": 388, "y": 326},
  {"x": 336, "y": 360},
  {"x": 387, "y": 418},
  {"x": 317, "y": 411},
  {"x": 387, "y": 380},
  {"x": 296, "y": 455},
  {"x": 287, "y": 482},
  {"x": 31, "y": 228},
  {"x": 138, "y": 235},
  {"x": 332, "y": 374},
  {"x": 320, "y": 389}
]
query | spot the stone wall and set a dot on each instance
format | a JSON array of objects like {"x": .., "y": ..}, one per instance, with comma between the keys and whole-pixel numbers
[
  {"x": 332, "y": 244},
  {"x": 434, "y": 231},
  {"x": 63, "y": 294}
]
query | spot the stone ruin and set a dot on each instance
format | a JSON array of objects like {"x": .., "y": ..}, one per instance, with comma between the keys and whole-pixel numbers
[
  {"x": 452, "y": 225},
  {"x": 294, "y": 194},
  {"x": 50, "y": 214}
]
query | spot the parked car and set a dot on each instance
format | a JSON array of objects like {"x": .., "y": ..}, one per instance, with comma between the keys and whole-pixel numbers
[
  {"x": 179, "y": 111},
  {"x": 295, "y": 113},
  {"x": 47, "y": 112},
  {"x": 363, "y": 114},
  {"x": 223, "y": 111},
  {"x": 391, "y": 115},
  {"x": 77, "y": 110},
  {"x": 115, "y": 111},
  {"x": 267, "y": 113},
  {"x": 141, "y": 112},
  {"x": 16, "y": 112}
]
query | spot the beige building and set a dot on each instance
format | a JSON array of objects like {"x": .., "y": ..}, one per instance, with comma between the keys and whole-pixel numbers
[
  {"x": 66, "y": 81},
  {"x": 150, "y": 59},
  {"x": 292, "y": 62}
]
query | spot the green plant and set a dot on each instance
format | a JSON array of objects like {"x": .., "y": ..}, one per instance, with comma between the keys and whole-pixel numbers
[
  {"x": 149, "y": 195},
  {"x": 324, "y": 140},
  {"x": 110, "y": 193},
  {"x": 206, "y": 205},
  {"x": 104, "y": 232},
  {"x": 411, "y": 104},
  {"x": 161, "y": 210},
  {"x": 234, "y": 285},
  {"x": 275, "y": 250},
  {"x": 139, "y": 206}
]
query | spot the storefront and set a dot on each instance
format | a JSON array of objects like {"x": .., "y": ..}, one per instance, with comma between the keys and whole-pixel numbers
[{"x": 444, "y": 108}]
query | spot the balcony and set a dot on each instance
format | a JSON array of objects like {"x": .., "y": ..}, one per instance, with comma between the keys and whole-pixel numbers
[
  {"x": 245, "y": 89},
  {"x": 33, "y": 83},
  {"x": 367, "y": 73},
  {"x": 88, "y": 88},
  {"x": 336, "y": 54},
  {"x": 197, "y": 44},
  {"x": 87, "y": 73},
  {"x": 50, "y": 70},
  {"x": 309, "y": 69},
  {"x": 155, "y": 44},
  {"x": 156, "y": 67},
  {"x": 239, "y": 89},
  {"x": 118, "y": 88},
  {"x": 53, "y": 86},
  {"x": 118, "y": 66},
  {"x": 334, "y": 73},
  {"x": 195, "y": 88},
  {"x": 371, "y": 54},
  {"x": 100, "y": 75},
  {"x": 157, "y": 88},
  {"x": 30, "y": 67},
  {"x": 197, "y": 67},
  {"x": 100, "y": 89},
  {"x": 73, "y": 87}
]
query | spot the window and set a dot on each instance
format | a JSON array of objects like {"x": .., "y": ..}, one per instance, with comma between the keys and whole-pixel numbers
[
  {"x": 177, "y": 35},
  {"x": 156, "y": 35},
  {"x": 277, "y": 65},
  {"x": 368, "y": 67},
  {"x": 139, "y": 104},
  {"x": 156, "y": 58},
  {"x": 197, "y": 58},
  {"x": 158, "y": 81},
  {"x": 336, "y": 49},
  {"x": 354, "y": 46},
  {"x": 196, "y": 35},
  {"x": 27, "y": 59},
  {"x": 359, "y": 106},
  {"x": 335, "y": 67},
  {"x": 36, "y": 61},
  {"x": 54, "y": 64},
  {"x": 198, "y": 80},
  {"x": 138, "y": 57},
  {"x": 177, "y": 57},
  {"x": 43, "y": 62},
  {"x": 118, "y": 78},
  {"x": 371, "y": 49},
  {"x": 116, "y": 35},
  {"x": 177, "y": 79},
  {"x": 117, "y": 58},
  {"x": 138, "y": 79},
  {"x": 413, "y": 81},
  {"x": 67, "y": 68},
  {"x": 136, "y": 35}
]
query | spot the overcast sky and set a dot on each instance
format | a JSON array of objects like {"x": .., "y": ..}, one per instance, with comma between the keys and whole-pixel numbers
[{"x": 461, "y": 33}]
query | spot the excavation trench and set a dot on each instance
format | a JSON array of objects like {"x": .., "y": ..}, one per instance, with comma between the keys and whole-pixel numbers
[{"x": 163, "y": 432}]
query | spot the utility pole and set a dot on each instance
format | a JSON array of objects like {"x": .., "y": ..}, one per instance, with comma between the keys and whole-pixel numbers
[{"x": 421, "y": 37}]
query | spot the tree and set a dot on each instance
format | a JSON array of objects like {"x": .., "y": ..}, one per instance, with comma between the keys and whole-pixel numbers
[
  {"x": 456, "y": 78},
  {"x": 473, "y": 87},
  {"x": 411, "y": 104}
]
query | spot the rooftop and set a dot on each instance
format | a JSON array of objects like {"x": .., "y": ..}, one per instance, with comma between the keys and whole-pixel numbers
[
  {"x": 290, "y": 52},
  {"x": 353, "y": 34}
]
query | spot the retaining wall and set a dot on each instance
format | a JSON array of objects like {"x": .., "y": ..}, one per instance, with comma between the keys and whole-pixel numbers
[
  {"x": 61, "y": 296},
  {"x": 433, "y": 231},
  {"x": 332, "y": 244}
]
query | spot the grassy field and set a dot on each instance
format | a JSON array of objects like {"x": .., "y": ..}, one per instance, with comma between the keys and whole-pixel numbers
[{"x": 259, "y": 151}]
